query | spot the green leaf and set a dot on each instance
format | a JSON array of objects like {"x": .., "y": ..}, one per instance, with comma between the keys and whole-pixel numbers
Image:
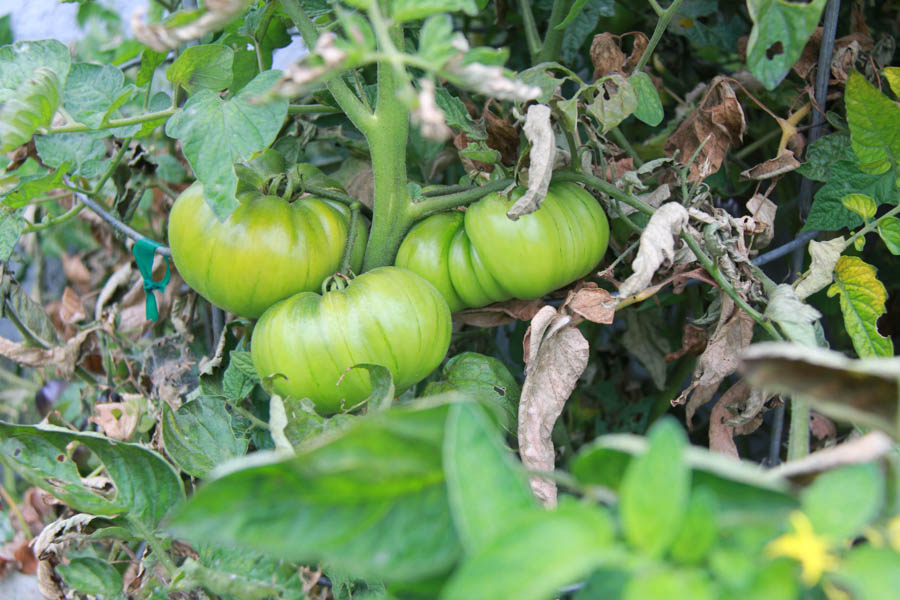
[
  {"x": 699, "y": 529},
  {"x": 841, "y": 502},
  {"x": 198, "y": 437},
  {"x": 456, "y": 115},
  {"x": 12, "y": 223},
  {"x": 825, "y": 152},
  {"x": 90, "y": 575},
  {"x": 874, "y": 121},
  {"x": 869, "y": 573},
  {"x": 577, "y": 6},
  {"x": 6, "y": 34},
  {"x": 240, "y": 376},
  {"x": 20, "y": 61},
  {"x": 31, "y": 108},
  {"x": 486, "y": 485},
  {"x": 862, "y": 303},
  {"x": 829, "y": 214},
  {"x": 382, "y": 395},
  {"x": 892, "y": 74},
  {"x": 889, "y": 230},
  {"x": 649, "y": 106},
  {"x": 204, "y": 67},
  {"x": 667, "y": 583},
  {"x": 242, "y": 575},
  {"x": 540, "y": 552},
  {"x": 542, "y": 77},
  {"x": 584, "y": 25},
  {"x": 861, "y": 204},
  {"x": 780, "y": 32},
  {"x": 146, "y": 486},
  {"x": 655, "y": 491},
  {"x": 485, "y": 379},
  {"x": 436, "y": 40},
  {"x": 616, "y": 99},
  {"x": 150, "y": 60},
  {"x": 83, "y": 154},
  {"x": 410, "y": 10},
  {"x": 481, "y": 152},
  {"x": 90, "y": 90},
  {"x": 170, "y": 169},
  {"x": 216, "y": 133},
  {"x": 369, "y": 500},
  {"x": 31, "y": 314}
]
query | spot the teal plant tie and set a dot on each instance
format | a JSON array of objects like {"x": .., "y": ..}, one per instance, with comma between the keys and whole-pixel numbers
[{"x": 143, "y": 251}]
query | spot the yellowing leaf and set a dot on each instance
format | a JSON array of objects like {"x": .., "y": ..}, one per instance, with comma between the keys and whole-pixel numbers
[
  {"x": 862, "y": 302},
  {"x": 889, "y": 230},
  {"x": 874, "y": 121},
  {"x": 861, "y": 204},
  {"x": 892, "y": 74}
]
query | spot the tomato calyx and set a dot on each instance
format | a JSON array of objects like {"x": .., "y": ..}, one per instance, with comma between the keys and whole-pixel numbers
[{"x": 338, "y": 281}]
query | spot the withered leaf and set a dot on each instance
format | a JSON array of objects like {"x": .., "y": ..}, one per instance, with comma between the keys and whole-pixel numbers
[
  {"x": 774, "y": 167},
  {"x": 693, "y": 341},
  {"x": 606, "y": 56},
  {"x": 71, "y": 309},
  {"x": 721, "y": 428},
  {"x": 64, "y": 358},
  {"x": 539, "y": 132},
  {"x": 657, "y": 245},
  {"x": 500, "y": 313},
  {"x": 591, "y": 302},
  {"x": 556, "y": 356}
]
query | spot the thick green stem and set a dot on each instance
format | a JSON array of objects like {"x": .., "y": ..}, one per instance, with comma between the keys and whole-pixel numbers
[
  {"x": 798, "y": 442},
  {"x": 605, "y": 187},
  {"x": 435, "y": 204},
  {"x": 553, "y": 39},
  {"x": 352, "y": 233},
  {"x": 391, "y": 216}
]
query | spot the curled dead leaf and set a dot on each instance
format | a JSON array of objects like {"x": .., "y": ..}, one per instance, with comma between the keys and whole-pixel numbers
[
  {"x": 163, "y": 38},
  {"x": 499, "y": 313},
  {"x": 63, "y": 358},
  {"x": 71, "y": 309},
  {"x": 591, "y": 302},
  {"x": 656, "y": 246},
  {"x": 118, "y": 420},
  {"x": 556, "y": 356},
  {"x": 606, "y": 56},
  {"x": 774, "y": 167},
  {"x": 722, "y": 425},
  {"x": 693, "y": 341},
  {"x": 539, "y": 132}
]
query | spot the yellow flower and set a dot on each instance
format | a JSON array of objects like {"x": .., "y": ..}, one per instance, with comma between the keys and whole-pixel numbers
[{"x": 809, "y": 549}]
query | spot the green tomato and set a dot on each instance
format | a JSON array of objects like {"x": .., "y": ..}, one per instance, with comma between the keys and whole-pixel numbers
[
  {"x": 387, "y": 316},
  {"x": 266, "y": 250},
  {"x": 482, "y": 256}
]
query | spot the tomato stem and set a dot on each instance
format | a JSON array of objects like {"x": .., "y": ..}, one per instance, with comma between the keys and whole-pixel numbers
[{"x": 352, "y": 234}]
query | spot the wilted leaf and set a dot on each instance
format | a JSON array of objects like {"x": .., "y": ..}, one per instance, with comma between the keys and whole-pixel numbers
[
  {"x": 862, "y": 298},
  {"x": 606, "y": 56},
  {"x": 539, "y": 132},
  {"x": 717, "y": 124},
  {"x": 721, "y": 431},
  {"x": 733, "y": 333},
  {"x": 591, "y": 302},
  {"x": 63, "y": 358},
  {"x": 163, "y": 37},
  {"x": 117, "y": 419},
  {"x": 825, "y": 256},
  {"x": 615, "y": 100},
  {"x": 795, "y": 318},
  {"x": 863, "y": 392},
  {"x": 657, "y": 245},
  {"x": 556, "y": 356},
  {"x": 501, "y": 313},
  {"x": 774, "y": 167},
  {"x": 693, "y": 342}
]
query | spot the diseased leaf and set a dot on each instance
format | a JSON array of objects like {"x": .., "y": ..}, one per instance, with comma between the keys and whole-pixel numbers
[
  {"x": 821, "y": 270},
  {"x": 615, "y": 101},
  {"x": 874, "y": 122},
  {"x": 21, "y": 60},
  {"x": 861, "y": 204},
  {"x": 780, "y": 31},
  {"x": 204, "y": 67},
  {"x": 199, "y": 437},
  {"x": 540, "y": 552},
  {"x": 90, "y": 575},
  {"x": 216, "y": 133},
  {"x": 822, "y": 155},
  {"x": 556, "y": 355},
  {"x": 485, "y": 484},
  {"x": 657, "y": 245},
  {"x": 862, "y": 298},
  {"x": 32, "y": 107},
  {"x": 146, "y": 486},
  {"x": 795, "y": 318},
  {"x": 12, "y": 223},
  {"x": 655, "y": 491},
  {"x": 539, "y": 132}
]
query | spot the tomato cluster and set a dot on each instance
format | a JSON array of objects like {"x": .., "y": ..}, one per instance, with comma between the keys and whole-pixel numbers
[{"x": 482, "y": 257}]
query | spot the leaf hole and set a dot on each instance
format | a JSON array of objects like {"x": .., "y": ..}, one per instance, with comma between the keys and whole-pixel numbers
[
  {"x": 60, "y": 458},
  {"x": 774, "y": 50},
  {"x": 500, "y": 391}
]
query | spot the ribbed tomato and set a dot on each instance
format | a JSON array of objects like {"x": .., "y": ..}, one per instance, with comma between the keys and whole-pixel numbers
[
  {"x": 266, "y": 250},
  {"x": 387, "y": 316},
  {"x": 483, "y": 257}
]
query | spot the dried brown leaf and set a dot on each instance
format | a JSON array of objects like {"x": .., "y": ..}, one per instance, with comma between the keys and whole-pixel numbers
[
  {"x": 71, "y": 309},
  {"x": 693, "y": 341},
  {"x": 717, "y": 124},
  {"x": 733, "y": 333},
  {"x": 117, "y": 419},
  {"x": 606, "y": 56},
  {"x": 722, "y": 427},
  {"x": 825, "y": 256},
  {"x": 502, "y": 136},
  {"x": 591, "y": 302},
  {"x": 500, "y": 313},
  {"x": 821, "y": 426},
  {"x": 556, "y": 355},
  {"x": 637, "y": 50},
  {"x": 762, "y": 210},
  {"x": 774, "y": 167},
  {"x": 539, "y": 132},
  {"x": 17, "y": 553},
  {"x": 76, "y": 273},
  {"x": 656, "y": 246},
  {"x": 64, "y": 358},
  {"x": 867, "y": 448}
]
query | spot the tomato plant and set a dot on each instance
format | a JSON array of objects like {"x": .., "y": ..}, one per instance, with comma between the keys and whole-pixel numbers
[
  {"x": 266, "y": 250},
  {"x": 485, "y": 257},
  {"x": 387, "y": 316}
]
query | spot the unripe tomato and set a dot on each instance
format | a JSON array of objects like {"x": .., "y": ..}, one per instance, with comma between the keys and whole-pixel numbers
[
  {"x": 483, "y": 257},
  {"x": 387, "y": 316},
  {"x": 266, "y": 250}
]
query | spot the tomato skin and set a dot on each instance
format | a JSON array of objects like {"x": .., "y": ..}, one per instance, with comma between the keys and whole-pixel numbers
[
  {"x": 266, "y": 250},
  {"x": 388, "y": 316},
  {"x": 484, "y": 257}
]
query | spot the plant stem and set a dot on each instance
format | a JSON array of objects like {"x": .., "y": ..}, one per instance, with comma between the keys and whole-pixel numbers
[
  {"x": 798, "y": 436},
  {"x": 605, "y": 187},
  {"x": 871, "y": 226},
  {"x": 254, "y": 420},
  {"x": 664, "y": 19},
  {"x": 23, "y": 524},
  {"x": 532, "y": 37},
  {"x": 312, "y": 109},
  {"x": 343, "y": 95},
  {"x": 352, "y": 233},
  {"x": 148, "y": 536},
  {"x": 553, "y": 39},
  {"x": 329, "y": 194},
  {"x": 436, "y": 204},
  {"x": 113, "y": 123},
  {"x": 623, "y": 141},
  {"x": 52, "y": 222}
]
